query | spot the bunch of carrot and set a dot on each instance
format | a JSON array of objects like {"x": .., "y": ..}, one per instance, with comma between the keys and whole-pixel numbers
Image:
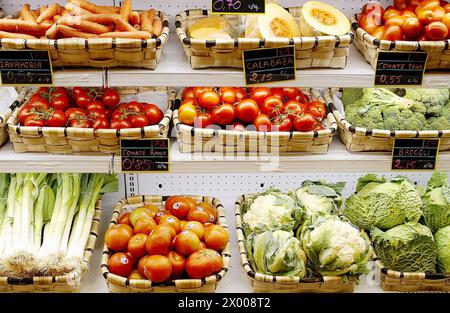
[{"x": 82, "y": 19}]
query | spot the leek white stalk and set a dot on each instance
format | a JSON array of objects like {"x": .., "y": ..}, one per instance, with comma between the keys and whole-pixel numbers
[{"x": 72, "y": 210}]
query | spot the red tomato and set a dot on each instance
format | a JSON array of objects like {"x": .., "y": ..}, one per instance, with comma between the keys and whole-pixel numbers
[
  {"x": 277, "y": 92},
  {"x": 153, "y": 113},
  {"x": 188, "y": 92},
  {"x": 372, "y": 6},
  {"x": 203, "y": 263},
  {"x": 33, "y": 120},
  {"x": 139, "y": 121},
  {"x": 259, "y": 94},
  {"x": 157, "y": 268},
  {"x": 120, "y": 264},
  {"x": 97, "y": 113},
  {"x": 80, "y": 123},
  {"x": 77, "y": 91},
  {"x": 190, "y": 101},
  {"x": 134, "y": 107},
  {"x": 110, "y": 98},
  {"x": 412, "y": 4},
  {"x": 301, "y": 97},
  {"x": 203, "y": 120},
  {"x": 57, "y": 119},
  {"x": 436, "y": 31},
  {"x": 412, "y": 28},
  {"x": 368, "y": 22},
  {"x": 446, "y": 21},
  {"x": 283, "y": 123},
  {"x": 294, "y": 108},
  {"x": 304, "y": 123},
  {"x": 216, "y": 237},
  {"x": 238, "y": 127},
  {"x": 117, "y": 237},
  {"x": 95, "y": 105},
  {"x": 178, "y": 264},
  {"x": 224, "y": 114},
  {"x": 262, "y": 123},
  {"x": 180, "y": 206},
  {"x": 38, "y": 105},
  {"x": 120, "y": 124},
  {"x": 58, "y": 91},
  {"x": 317, "y": 109},
  {"x": 400, "y": 4},
  {"x": 136, "y": 245},
  {"x": 228, "y": 95},
  {"x": 209, "y": 99},
  {"x": 390, "y": 13},
  {"x": 247, "y": 110},
  {"x": 119, "y": 114},
  {"x": 290, "y": 92},
  {"x": 75, "y": 112},
  {"x": 60, "y": 102},
  {"x": 395, "y": 20},
  {"x": 187, "y": 242},
  {"x": 82, "y": 99},
  {"x": 272, "y": 106},
  {"x": 393, "y": 33},
  {"x": 100, "y": 123},
  {"x": 125, "y": 219},
  {"x": 240, "y": 94},
  {"x": 319, "y": 126},
  {"x": 197, "y": 91}
]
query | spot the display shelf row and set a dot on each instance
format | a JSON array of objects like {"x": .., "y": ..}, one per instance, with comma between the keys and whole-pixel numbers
[
  {"x": 174, "y": 70},
  {"x": 337, "y": 160}
]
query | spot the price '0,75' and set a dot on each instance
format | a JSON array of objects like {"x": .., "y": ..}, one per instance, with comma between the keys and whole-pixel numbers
[{"x": 220, "y": 5}]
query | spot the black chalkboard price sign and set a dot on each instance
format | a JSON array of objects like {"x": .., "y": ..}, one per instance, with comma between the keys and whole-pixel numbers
[
  {"x": 238, "y": 6},
  {"x": 144, "y": 155},
  {"x": 26, "y": 68},
  {"x": 400, "y": 68},
  {"x": 269, "y": 65},
  {"x": 415, "y": 154}
]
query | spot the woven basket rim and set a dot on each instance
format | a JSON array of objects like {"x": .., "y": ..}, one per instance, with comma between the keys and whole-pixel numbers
[
  {"x": 163, "y": 126},
  {"x": 125, "y": 282},
  {"x": 182, "y": 36},
  {"x": 362, "y": 34},
  {"x": 328, "y": 132},
  {"x": 4, "y": 116},
  {"x": 382, "y": 133},
  {"x": 117, "y": 42},
  {"x": 72, "y": 275},
  {"x": 271, "y": 278}
]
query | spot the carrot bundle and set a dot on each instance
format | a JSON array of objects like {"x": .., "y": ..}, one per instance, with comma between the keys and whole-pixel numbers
[{"x": 82, "y": 19}]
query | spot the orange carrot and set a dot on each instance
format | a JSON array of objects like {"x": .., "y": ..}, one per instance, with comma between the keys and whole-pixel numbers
[
  {"x": 125, "y": 10},
  {"x": 86, "y": 26},
  {"x": 91, "y": 7},
  {"x": 15, "y": 35},
  {"x": 146, "y": 25},
  {"x": 52, "y": 32},
  {"x": 70, "y": 32},
  {"x": 130, "y": 35},
  {"x": 26, "y": 14},
  {"x": 111, "y": 8},
  {"x": 13, "y": 25},
  {"x": 157, "y": 27},
  {"x": 123, "y": 25},
  {"x": 48, "y": 13},
  {"x": 76, "y": 10},
  {"x": 42, "y": 9},
  {"x": 56, "y": 18},
  {"x": 65, "y": 12},
  {"x": 151, "y": 15},
  {"x": 135, "y": 18}
]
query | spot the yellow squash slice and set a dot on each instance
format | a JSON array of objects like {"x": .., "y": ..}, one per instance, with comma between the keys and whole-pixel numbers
[{"x": 323, "y": 19}]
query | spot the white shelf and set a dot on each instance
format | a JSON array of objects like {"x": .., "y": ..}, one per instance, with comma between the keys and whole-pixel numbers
[
  {"x": 11, "y": 162},
  {"x": 337, "y": 160},
  {"x": 78, "y": 77},
  {"x": 174, "y": 70}
]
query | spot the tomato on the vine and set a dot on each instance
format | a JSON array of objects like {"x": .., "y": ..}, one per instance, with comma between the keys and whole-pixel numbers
[
  {"x": 97, "y": 113},
  {"x": 290, "y": 92},
  {"x": 135, "y": 107},
  {"x": 57, "y": 119},
  {"x": 153, "y": 113},
  {"x": 60, "y": 102},
  {"x": 120, "y": 124},
  {"x": 203, "y": 120},
  {"x": 224, "y": 114},
  {"x": 187, "y": 114},
  {"x": 209, "y": 99},
  {"x": 228, "y": 95},
  {"x": 294, "y": 108},
  {"x": 100, "y": 123},
  {"x": 111, "y": 97},
  {"x": 317, "y": 109},
  {"x": 283, "y": 123},
  {"x": 82, "y": 99},
  {"x": 247, "y": 110},
  {"x": 75, "y": 112},
  {"x": 139, "y": 121},
  {"x": 259, "y": 94},
  {"x": 80, "y": 123},
  {"x": 304, "y": 122},
  {"x": 34, "y": 120},
  {"x": 188, "y": 93},
  {"x": 262, "y": 123},
  {"x": 197, "y": 91},
  {"x": 272, "y": 106}
]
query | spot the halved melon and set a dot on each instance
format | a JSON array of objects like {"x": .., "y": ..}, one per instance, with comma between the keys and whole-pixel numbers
[
  {"x": 216, "y": 22},
  {"x": 275, "y": 23},
  {"x": 209, "y": 34},
  {"x": 323, "y": 19}
]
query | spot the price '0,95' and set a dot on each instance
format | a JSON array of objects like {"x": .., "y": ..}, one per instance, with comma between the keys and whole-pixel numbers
[{"x": 220, "y": 5}]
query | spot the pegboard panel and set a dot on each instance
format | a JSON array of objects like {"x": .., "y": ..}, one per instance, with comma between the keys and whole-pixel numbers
[{"x": 173, "y": 7}]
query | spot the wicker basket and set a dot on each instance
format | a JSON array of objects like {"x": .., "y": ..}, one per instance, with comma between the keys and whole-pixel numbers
[
  {"x": 268, "y": 283},
  {"x": 322, "y": 51},
  {"x": 60, "y": 284},
  {"x": 358, "y": 139},
  {"x": 412, "y": 282},
  {"x": 192, "y": 139},
  {"x": 438, "y": 51},
  {"x": 4, "y": 116},
  {"x": 85, "y": 140},
  {"x": 123, "y": 285},
  {"x": 97, "y": 52}
]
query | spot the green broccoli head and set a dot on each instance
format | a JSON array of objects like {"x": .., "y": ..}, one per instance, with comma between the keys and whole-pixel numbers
[{"x": 433, "y": 99}]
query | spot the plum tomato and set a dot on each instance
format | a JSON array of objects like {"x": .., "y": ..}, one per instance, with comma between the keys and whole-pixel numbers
[
  {"x": 157, "y": 268},
  {"x": 178, "y": 264},
  {"x": 110, "y": 98},
  {"x": 136, "y": 245},
  {"x": 224, "y": 114},
  {"x": 120, "y": 264},
  {"x": 259, "y": 94},
  {"x": 304, "y": 122},
  {"x": 317, "y": 109},
  {"x": 247, "y": 110},
  {"x": 209, "y": 99},
  {"x": 436, "y": 31},
  {"x": 393, "y": 33},
  {"x": 117, "y": 237},
  {"x": 203, "y": 263},
  {"x": 272, "y": 106},
  {"x": 187, "y": 242},
  {"x": 216, "y": 237}
]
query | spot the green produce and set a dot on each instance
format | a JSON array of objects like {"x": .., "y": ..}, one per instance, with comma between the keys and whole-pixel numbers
[
  {"x": 271, "y": 210},
  {"x": 406, "y": 248},
  {"x": 442, "y": 239},
  {"x": 276, "y": 253},
  {"x": 335, "y": 247},
  {"x": 319, "y": 197},
  {"x": 47, "y": 221},
  {"x": 436, "y": 202},
  {"x": 381, "y": 108},
  {"x": 383, "y": 203}
]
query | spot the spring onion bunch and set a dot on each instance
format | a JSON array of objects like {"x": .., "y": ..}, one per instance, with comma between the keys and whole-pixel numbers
[{"x": 45, "y": 221}]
